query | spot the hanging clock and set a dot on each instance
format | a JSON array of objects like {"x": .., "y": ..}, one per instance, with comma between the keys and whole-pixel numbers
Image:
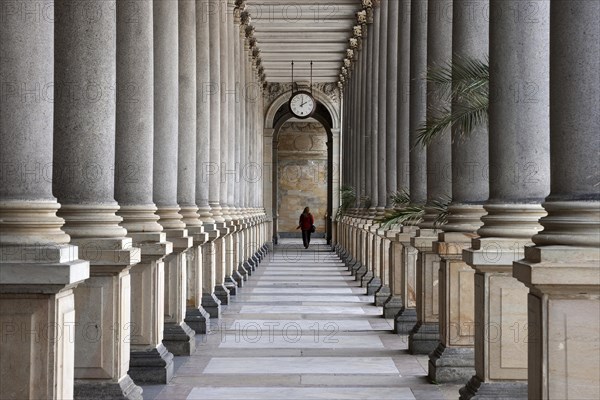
[{"x": 302, "y": 104}]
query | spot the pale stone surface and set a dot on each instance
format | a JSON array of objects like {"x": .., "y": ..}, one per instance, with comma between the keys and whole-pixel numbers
[
  {"x": 278, "y": 354},
  {"x": 303, "y": 324},
  {"x": 44, "y": 368},
  {"x": 304, "y": 342},
  {"x": 252, "y": 393},
  {"x": 295, "y": 365},
  {"x": 424, "y": 337}
]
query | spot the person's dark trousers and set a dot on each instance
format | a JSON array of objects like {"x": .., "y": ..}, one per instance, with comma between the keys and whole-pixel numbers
[{"x": 306, "y": 238}]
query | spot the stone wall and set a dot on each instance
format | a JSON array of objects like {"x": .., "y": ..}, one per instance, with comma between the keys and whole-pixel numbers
[{"x": 302, "y": 153}]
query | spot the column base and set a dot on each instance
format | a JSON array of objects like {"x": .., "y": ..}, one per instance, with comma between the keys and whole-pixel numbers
[
  {"x": 238, "y": 278},
  {"x": 222, "y": 293},
  {"x": 198, "y": 320},
  {"x": 392, "y": 306},
  {"x": 382, "y": 294},
  {"x": 151, "y": 366},
  {"x": 179, "y": 339},
  {"x": 125, "y": 389},
  {"x": 405, "y": 321},
  {"x": 424, "y": 338},
  {"x": 456, "y": 364},
  {"x": 249, "y": 266},
  {"x": 373, "y": 284},
  {"x": 363, "y": 275},
  {"x": 475, "y": 389},
  {"x": 231, "y": 285},
  {"x": 243, "y": 272},
  {"x": 212, "y": 305},
  {"x": 354, "y": 266}
]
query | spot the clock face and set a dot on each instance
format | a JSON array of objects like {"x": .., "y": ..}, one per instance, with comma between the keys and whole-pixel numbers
[{"x": 302, "y": 105}]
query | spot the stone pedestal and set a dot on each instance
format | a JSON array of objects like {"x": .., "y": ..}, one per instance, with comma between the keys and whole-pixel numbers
[
  {"x": 101, "y": 324},
  {"x": 210, "y": 302},
  {"x": 196, "y": 316},
  {"x": 563, "y": 320},
  {"x": 179, "y": 338},
  {"x": 37, "y": 314},
  {"x": 383, "y": 293},
  {"x": 501, "y": 331},
  {"x": 425, "y": 335},
  {"x": 222, "y": 287},
  {"x": 150, "y": 360},
  {"x": 371, "y": 279},
  {"x": 453, "y": 359},
  {"x": 406, "y": 318},
  {"x": 393, "y": 304}
]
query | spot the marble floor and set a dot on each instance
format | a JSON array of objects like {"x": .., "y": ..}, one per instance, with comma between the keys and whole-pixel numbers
[{"x": 301, "y": 328}]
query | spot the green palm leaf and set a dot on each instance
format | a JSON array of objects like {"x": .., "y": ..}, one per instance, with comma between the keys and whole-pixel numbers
[
  {"x": 402, "y": 216},
  {"x": 441, "y": 207},
  {"x": 400, "y": 198},
  {"x": 464, "y": 82}
]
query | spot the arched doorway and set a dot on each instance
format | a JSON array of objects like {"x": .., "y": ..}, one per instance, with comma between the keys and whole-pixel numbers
[{"x": 278, "y": 118}]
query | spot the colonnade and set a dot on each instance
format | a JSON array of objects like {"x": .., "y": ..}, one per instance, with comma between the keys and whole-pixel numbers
[
  {"x": 504, "y": 296},
  {"x": 131, "y": 198}
]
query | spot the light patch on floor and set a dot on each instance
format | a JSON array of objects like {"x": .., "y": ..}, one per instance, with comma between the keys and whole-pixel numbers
[
  {"x": 301, "y": 365},
  {"x": 300, "y": 393}
]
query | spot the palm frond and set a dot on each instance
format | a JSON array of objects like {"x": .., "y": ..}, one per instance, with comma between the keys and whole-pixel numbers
[
  {"x": 469, "y": 75},
  {"x": 347, "y": 199},
  {"x": 464, "y": 83},
  {"x": 438, "y": 122},
  {"x": 365, "y": 202},
  {"x": 408, "y": 214},
  {"x": 400, "y": 198},
  {"x": 441, "y": 207},
  {"x": 469, "y": 114}
]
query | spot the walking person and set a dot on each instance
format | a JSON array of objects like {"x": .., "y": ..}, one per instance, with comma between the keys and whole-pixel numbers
[{"x": 306, "y": 223}]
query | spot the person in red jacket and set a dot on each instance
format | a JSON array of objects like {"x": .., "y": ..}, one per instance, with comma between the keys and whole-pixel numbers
[{"x": 306, "y": 223}]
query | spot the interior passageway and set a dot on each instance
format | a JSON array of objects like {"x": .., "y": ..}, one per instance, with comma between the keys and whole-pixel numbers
[{"x": 301, "y": 328}]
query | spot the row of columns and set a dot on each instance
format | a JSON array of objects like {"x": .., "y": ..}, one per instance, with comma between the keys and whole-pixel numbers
[
  {"x": 504, "y": 296},
  {"x": 128, "y": 209}
]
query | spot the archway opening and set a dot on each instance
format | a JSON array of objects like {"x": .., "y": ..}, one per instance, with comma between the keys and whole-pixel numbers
[{"x": 302, "y": 171}]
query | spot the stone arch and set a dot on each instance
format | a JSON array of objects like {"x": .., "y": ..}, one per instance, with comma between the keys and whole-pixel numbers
[
  {"x": 321, "y": 97},
  {"x": 274, "y": 120}
]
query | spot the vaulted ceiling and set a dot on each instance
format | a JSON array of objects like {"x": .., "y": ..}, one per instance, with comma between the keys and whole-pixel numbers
[{"x": 301, "y": 31}]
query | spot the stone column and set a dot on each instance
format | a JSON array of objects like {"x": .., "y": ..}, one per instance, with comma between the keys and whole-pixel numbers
[
  {"x": 195, "y": 317},
  {"x": 424, "y": 337},
  {"x": 519, "y": 55},
  {"x": 367, "y": 40},
  {"x": 361, "y": 63},
  {"x": 416, "y": 96},
  {"x": 402, "y": 279},
  {"x": 230, "y": 167},
  {"x": 178, "y": 337},
  {"x": 150, "y": 360},
  {"x": 453, "y": 360},
  {"x": 212, "y": 14},
  {"x": 39, "y": 267},
  {"x": 214, "y": 11},
  {"x": 373, "y": 28},
  {"x": 562, "y": 270},
  {"x": 240, "y": 273},
  {"x": 205, "y": 91},
  {"x": 83, "y": 181},
  {"x": 382, "y": 195}
]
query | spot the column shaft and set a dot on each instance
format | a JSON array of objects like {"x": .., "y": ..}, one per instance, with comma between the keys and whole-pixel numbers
[
  {"x": 36, "y": 296},
  {"x": 562, "y": 271}
]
